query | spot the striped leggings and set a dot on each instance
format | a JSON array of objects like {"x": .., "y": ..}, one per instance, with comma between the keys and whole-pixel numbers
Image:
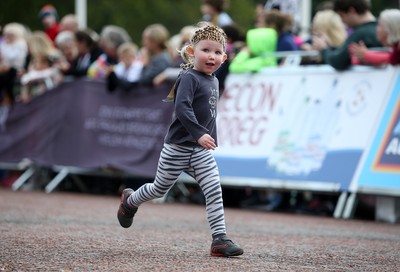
[{"x": 198, "y": 163}]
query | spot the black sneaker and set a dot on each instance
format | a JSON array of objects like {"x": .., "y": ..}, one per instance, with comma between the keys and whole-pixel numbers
[
  {"x": 224, "y": 247},
  {"x": 125, "y": 213}
]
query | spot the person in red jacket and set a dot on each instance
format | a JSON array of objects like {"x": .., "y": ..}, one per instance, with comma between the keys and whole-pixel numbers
[
  {"x": 49, "y": 18},
  {"x": 388, "y": 33}
]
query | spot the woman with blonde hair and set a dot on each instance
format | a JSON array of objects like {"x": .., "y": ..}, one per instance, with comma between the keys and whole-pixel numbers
[
  {"x": 329, "y": 24},
  {"x": 43, "y": 72},
  {"x": 155, "y": 53},
  {"x": 326, "y": 25},
  {"x": 40, "y": 45}
]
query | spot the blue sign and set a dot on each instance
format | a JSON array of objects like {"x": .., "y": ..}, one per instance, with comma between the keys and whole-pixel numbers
[{"x": 382, "y": 166}]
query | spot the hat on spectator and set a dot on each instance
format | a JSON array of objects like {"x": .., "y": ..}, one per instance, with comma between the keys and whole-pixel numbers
[{"x": 48, "y": 10}]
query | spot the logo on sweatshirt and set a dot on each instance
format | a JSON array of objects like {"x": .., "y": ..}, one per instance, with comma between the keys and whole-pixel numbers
[{"x": 213, "y": 102}]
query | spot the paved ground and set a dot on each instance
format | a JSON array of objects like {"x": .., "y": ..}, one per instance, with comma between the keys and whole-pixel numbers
[{"x": 80, "y": 232}]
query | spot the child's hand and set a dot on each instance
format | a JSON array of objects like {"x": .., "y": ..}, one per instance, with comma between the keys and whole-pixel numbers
[
  {"x": 108, "y": 69},
  {"x": 207, "y": 142}
]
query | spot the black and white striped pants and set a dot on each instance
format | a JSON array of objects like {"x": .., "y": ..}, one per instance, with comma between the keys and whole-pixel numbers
[{"x": 198, "y": 163}]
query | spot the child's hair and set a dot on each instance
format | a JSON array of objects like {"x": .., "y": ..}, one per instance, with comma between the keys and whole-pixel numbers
[
  {"x": 17, "y": 29},
  {"x": 40, "y": 45},
  {"x": 205, "y": 31},
  {"x": 278, "y": 20},
  {"x": 127, "y": 47},
  {"x": 329, "y": 23}
]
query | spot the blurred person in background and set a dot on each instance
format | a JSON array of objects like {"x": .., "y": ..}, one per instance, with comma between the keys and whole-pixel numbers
[
  {"x": 290, "y": 7},
  {"x": 155, "y": 52},
  {"x": 88, "y": 51},
  {"x": 128, "y": 69},
  {"x": 49, "y": 18},
  {"x": 388, "y": 31},
  {"x": 234, "y": 43},
  {"x": 43, "y": 73},
  {"x": 111, "y": 38},
  {"x": 66, "y": 43},
  {"x": 254, "y": 56},
  {"x": 282, "y": 23},
  {"x": 177, "y": 41},
  {"x": 214, "y": 12},
  {"x": 13, "y": 53},
  {"x": 69, "y": 23},
  {"x": 357, "y": 15},
  {"x": 327, "y": 24}
]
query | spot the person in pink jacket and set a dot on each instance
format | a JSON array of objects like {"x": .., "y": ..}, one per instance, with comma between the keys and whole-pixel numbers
[{"x": 388, "y": 32}]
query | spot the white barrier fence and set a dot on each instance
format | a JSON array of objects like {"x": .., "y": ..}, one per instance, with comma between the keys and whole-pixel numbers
[{"x": 307, "y": 128}]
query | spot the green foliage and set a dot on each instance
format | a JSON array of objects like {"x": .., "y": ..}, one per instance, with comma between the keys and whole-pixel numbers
[{"x": 133, "y": 15}]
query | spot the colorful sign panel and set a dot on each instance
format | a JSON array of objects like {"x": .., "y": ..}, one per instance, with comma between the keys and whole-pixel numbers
[{"x": 381, "y": 170}]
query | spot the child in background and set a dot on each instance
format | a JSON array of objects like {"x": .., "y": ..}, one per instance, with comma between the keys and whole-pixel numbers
[
  {"x": 41, "y": 77},
  {"x": 13, "y": 52},
  {"x": 43, "y": 72},
  {"x": 191, "y": 136},
  {"x": 128, "y": 69}
]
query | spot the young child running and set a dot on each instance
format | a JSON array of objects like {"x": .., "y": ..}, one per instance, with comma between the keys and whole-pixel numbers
[{"x": 191, "y": 136}]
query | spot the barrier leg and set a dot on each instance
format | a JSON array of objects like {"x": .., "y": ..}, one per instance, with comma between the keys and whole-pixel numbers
[
  {"x": 183, "y": 188},
  {"x": 23, "y": 178},
  {"x": 78, "y": 182},
  {"x": 56, "y": 180},
  {"x": 350, "y": 206},
  {"x": 340, "y": 205}
]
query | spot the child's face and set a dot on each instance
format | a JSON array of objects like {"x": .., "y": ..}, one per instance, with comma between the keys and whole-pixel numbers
[
  {"x": 127, "y": 58},
  {"x": 40, "y": 63},
  {"x": 9, "y": 37},
  {"x": 208, "y": 56}
]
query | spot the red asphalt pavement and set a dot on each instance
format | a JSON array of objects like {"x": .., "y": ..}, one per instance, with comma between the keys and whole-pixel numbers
[{"x": 80, "y": 232}]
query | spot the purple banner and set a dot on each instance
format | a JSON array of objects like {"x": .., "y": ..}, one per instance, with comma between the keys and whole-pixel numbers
[{"x": 80, "y": 124}]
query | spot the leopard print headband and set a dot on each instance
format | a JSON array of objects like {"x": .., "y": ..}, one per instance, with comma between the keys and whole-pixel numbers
[{"x": 209, "y": 32}]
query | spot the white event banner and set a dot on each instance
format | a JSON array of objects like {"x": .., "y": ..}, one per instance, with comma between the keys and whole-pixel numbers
[{"x": 305, "y": 124}]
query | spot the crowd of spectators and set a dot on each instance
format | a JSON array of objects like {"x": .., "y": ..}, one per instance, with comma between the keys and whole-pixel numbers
[{"x": 344, "y": 32}]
